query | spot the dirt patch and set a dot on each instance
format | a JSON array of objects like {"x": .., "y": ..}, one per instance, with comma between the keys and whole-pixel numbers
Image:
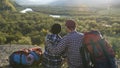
[{"x": 7, "y": 50}]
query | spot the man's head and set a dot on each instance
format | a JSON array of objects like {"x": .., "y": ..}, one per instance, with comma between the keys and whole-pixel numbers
[
  {"x": 70, "y": 24},
  {"x": 55, "y": 29}
]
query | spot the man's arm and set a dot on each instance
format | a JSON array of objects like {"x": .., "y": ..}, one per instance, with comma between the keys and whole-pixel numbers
[{"x": 59, "y": 48}]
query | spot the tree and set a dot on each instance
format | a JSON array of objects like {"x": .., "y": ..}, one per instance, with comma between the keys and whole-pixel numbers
[{"x": 5, "y": 5}]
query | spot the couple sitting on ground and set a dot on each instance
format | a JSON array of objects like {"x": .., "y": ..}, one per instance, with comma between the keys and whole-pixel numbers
[
  {"x": 69, "y": 47},
  {"x": 57, "y": 47}
]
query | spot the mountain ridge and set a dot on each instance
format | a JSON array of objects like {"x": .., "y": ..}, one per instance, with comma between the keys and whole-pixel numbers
[
  {"x": 6, "y": 5},
  {"x": 89, "y": 3}
]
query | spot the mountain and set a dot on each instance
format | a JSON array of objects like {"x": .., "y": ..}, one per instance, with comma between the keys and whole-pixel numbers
[
  {"x": 63, "y": 2},
  {"x": 89, "y": 3},
  {"x": 79, "y": 2},
  {"x": 15, "y": 3},
  {"x": 6, "y": 5},
  {"x": 72, "y": 2},
  {"x": 34, "y": 2},
  {"x": 116, "y": 3}
]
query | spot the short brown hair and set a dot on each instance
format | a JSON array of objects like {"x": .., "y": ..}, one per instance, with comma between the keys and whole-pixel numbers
[{"x": 70, "y": 24}]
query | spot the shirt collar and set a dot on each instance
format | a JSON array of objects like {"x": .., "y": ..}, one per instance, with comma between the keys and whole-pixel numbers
[{"x": 73, "y": 32}]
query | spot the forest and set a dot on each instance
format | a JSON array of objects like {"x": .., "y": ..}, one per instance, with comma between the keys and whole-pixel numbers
[{"x": 31, "y": 28}]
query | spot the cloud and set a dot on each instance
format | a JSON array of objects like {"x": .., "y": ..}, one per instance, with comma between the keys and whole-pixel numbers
[
  {"x": 34, "y": 2},
  {"x": 43, "y": 2}
]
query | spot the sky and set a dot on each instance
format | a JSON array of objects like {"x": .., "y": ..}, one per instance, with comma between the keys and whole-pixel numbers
[
  {"x": 43, "y": 2},
  {"x": 32, "y": 2}
]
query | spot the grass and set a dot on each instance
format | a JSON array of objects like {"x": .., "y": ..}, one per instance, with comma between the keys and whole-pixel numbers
[{"x": 7, "y": 50}]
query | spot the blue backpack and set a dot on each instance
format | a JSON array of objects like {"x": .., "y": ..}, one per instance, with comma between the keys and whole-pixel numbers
[
  {"x": 25, "y": 58},
  {"x": 18, "y": 59}
]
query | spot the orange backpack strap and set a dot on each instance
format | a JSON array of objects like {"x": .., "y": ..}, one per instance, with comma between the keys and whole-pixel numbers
[
  {"x": 38, "y": 50},
  {"x": 24, "y": 51}
]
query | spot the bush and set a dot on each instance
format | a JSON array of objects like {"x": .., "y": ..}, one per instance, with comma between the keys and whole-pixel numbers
[{"x": 25, "y": 40}]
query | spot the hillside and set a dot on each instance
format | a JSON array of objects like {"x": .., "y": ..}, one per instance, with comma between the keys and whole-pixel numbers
[
  {"x": 6, "y": 5},
  {"x": 25, "y": 30}
]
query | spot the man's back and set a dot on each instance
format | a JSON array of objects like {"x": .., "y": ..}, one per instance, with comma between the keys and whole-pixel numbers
[
  {"x": 73, "y": 44},
  {"x": 70, "y": 44}
]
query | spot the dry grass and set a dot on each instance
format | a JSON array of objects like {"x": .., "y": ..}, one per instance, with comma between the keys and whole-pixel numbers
[{"x": 6, "y": 50}]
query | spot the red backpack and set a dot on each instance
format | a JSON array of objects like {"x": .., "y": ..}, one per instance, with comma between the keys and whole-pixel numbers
[{"x": 95, "y": 48}]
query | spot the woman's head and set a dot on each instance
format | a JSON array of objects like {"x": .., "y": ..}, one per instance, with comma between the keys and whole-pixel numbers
[{"x": 56, "y": 28}]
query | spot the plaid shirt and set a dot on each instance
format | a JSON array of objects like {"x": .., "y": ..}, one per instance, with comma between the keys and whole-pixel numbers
[
  {"x": 71, "y": 43},
  {"x": 51, "y": 60}
]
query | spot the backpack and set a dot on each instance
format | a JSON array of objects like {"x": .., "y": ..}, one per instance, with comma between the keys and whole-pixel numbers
[
  {"x": 25, "y": 57},
  {"x": 95, "y": 49},
  {"x": 37, "y": 53}
]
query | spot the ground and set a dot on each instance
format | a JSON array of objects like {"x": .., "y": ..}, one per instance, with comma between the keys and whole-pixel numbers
[{"x": 6, "y": 51}]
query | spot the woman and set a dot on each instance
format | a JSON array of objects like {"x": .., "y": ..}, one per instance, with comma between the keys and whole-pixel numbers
[{"x": 52, "y": 39}]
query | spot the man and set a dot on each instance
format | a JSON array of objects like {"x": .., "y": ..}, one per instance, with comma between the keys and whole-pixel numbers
[{"x": 70, "y": 45}]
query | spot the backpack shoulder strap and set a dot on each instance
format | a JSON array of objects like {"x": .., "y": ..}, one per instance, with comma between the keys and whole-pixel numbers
[
  {"x": 108, "y": 58},
  {"x": 20, "y": 58},
  {"x": 102, "y": 43},
  {"x": 86, "y": 57}
]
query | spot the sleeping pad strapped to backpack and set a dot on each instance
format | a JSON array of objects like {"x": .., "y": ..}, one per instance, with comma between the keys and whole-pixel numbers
[{"x": 25, "y": 57}]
